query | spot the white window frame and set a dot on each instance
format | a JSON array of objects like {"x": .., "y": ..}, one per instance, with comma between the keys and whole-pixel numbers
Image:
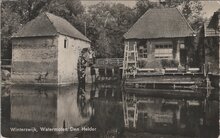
[
  {"x": 163, "y": 51},
  {"x": 144, "y": 54}
]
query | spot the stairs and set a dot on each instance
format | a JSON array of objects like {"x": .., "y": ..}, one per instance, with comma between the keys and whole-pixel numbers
[{"x": 130, "y": 60}]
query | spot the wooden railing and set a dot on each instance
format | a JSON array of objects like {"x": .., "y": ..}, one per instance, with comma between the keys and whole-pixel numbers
[
  {"x": 110, "y": 62},
  {"x": 5, "y": 63}
]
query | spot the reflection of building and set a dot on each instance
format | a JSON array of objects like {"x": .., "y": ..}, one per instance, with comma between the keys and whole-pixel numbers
[
  {"x": 159, "y": 35},
  {"x": 47, "y": 107},
  {"x": 46, "y": 50},
  {"x": 158, "y": 115},
  {"x": 108, "y": 113}
]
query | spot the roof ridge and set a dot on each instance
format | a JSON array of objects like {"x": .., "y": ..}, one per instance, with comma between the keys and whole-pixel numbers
[
  {"x": 147, "y": 12},
  {"x": 48, "y": 24},
  {"x": 60, "y": 32},
  {"x": 46, "y": 14},
  {"x": 183, "y": 18},
  {"x": 22, "y": 27},
  {"x": 170, "y": 20},
  {"x": 29, "y": 22}
]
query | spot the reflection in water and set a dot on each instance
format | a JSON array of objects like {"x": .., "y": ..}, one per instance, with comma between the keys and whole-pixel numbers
[
  {"x": 105, "y": 108},
  {"x": 53, "y": 107},
  {"x": 185, "y": 117}
]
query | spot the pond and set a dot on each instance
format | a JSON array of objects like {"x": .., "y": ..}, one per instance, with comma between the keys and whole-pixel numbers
[{"x": 104, "y": 111}]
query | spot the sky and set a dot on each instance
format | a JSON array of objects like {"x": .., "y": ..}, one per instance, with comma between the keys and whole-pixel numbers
[{"x": 209, "y": 6}]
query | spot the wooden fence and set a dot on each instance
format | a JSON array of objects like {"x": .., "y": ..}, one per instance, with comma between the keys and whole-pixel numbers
[{"x": 109, "y": 62}]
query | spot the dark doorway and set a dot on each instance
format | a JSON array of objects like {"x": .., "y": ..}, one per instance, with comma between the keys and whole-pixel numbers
[{"x": 183, "y": 56}]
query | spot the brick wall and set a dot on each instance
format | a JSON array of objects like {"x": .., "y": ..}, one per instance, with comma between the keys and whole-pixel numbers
[{"x": 32, "y": 57}]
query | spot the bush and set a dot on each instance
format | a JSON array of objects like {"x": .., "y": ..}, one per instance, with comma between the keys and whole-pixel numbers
[
  {"x": 163, "y": 63},
  {"x": 152, "y": 64},
  {"x": 169, "y": 63},
  {"x": 141, "y": 63}
]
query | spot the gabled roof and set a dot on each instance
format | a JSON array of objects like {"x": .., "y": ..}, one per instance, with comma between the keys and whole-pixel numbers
[
  {"x": 214, "y": 20},
  {"x": 48, "y": 24},
  {"x": 209, "y": 31},
  {"x": 160, "y": 23}
]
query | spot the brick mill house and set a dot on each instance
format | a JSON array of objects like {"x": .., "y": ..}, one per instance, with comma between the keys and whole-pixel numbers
[
  {"x": 159, "y": 36},
  {"x": 46, "y": 50}
]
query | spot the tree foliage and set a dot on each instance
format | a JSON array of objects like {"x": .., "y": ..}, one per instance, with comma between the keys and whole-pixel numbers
[
  {"x": 108, "y": 23},
  {"x": 105, "y": 23},
  {"x": 10, "y": 23},
  {"x": 192, "y": 11},
  {"x": 143, "y": 5},
  {"x": 15, "y": 14}
]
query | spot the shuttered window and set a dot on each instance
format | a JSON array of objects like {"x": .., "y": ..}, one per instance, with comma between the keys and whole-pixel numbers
[{"x": 164, "y": 51}]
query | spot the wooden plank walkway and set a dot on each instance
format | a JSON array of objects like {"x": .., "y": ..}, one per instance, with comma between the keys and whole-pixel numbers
[
  {"x": 188, "y": 94},
  {"x": 165, "y": 79},
  {"x": 161, "y": 82}
]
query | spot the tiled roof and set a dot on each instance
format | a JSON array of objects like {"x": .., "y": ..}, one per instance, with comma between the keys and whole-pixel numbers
[
  {"x": 215, "y": 19},
  {"x": 212, "y": 27},
  {"x": 160, "y": 23},
  {"x": 209, "y": 31},
  {"x": 48, "y": 24}
]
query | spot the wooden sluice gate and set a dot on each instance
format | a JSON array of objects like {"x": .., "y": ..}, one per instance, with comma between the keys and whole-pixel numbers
[
  {"x": 108, "y": 69},
  {"x": 108, "y": 74}
]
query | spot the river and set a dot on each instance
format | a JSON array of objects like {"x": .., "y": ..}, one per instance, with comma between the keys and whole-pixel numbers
[{"x": 104, "y": 111}]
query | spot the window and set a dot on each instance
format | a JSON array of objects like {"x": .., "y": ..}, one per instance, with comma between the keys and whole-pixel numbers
[
  {"x": 142, "y": 52},
  {"x": 182, "y": 46},
  {"x": 164, "y": 51},
  {"x": 65, "y": 43}
]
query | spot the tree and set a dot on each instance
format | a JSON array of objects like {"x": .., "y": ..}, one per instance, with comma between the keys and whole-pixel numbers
[
  {"x": 10, "y": 22},
  {"x": 109, "y": 22},
  {"x": 17, "y": 13},
  {"x": 143, "y": 5},
  {"x": 194, "y": 14}
]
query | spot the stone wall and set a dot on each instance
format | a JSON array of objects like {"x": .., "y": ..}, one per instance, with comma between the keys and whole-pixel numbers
[
  {"x": 34, "y": 60},
  {"x": 68, "y": 58}
]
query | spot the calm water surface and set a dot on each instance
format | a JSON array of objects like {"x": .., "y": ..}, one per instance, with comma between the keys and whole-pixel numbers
[{"x": 103, "y": 111}]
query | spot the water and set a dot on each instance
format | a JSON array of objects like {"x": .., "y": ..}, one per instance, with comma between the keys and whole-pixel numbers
[{"x": 104, "y": 111}]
